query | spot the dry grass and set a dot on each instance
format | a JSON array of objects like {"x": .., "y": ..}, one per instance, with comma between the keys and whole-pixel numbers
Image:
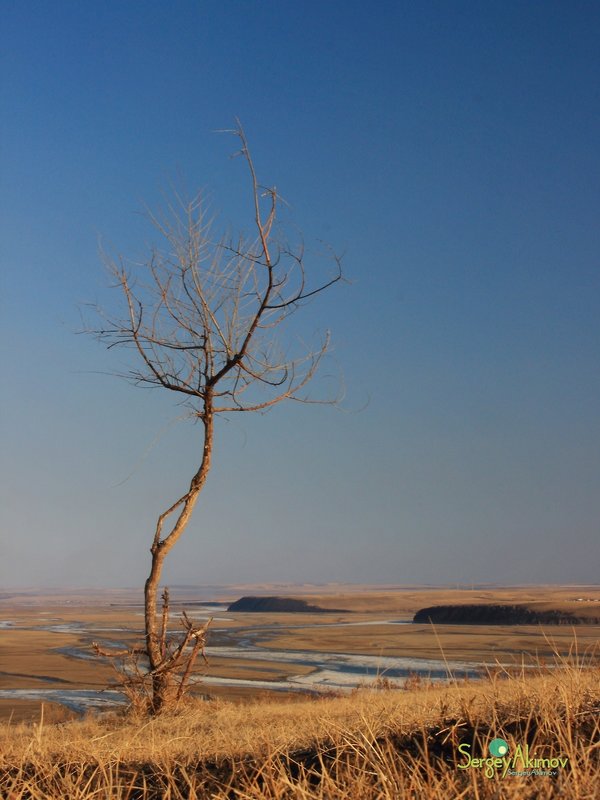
[
  {"x": 372, "y": 745},
  {"x": 406, "y": 601},
  {"x": 377, "y": 744}
]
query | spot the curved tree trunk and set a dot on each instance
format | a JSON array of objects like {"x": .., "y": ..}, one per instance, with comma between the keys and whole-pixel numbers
[{"x": 162, "y": 682}]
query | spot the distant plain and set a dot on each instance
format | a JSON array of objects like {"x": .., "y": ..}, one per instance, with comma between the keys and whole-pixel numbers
[{"x": 40, "y": 630}]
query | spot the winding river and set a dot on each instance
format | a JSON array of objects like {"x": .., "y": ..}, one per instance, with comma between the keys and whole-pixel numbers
[{"x": 336, "y": 672}]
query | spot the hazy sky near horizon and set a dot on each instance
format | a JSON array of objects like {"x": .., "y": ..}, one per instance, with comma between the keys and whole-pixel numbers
[{"x": 449, "y": 150}]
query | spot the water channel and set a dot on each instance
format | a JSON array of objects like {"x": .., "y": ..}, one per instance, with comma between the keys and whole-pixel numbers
[{"x": 337, "y": 672}]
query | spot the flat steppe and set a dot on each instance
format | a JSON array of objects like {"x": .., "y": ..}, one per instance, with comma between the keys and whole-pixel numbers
[{"x": 37, "y": 628}]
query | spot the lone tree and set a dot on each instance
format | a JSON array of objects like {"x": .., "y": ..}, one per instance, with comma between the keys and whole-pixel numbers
[{"x": 203, "y": 317}]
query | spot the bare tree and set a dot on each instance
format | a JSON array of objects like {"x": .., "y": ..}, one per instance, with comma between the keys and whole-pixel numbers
[{"x": 203, "y": 317}]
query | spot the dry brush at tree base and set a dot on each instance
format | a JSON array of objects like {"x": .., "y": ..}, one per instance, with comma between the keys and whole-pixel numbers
[
  {"x": 377, "y": 744},
  {"x": 203, "y": 318}
]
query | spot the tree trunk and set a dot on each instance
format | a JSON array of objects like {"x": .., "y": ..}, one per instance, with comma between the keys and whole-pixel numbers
[
  {"x": 162, "y": 690},
  {"x": 162, "y": 682}
]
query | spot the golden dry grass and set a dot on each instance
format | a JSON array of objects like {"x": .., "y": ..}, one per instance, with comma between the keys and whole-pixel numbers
[
  {"x": 406, "y": 601},
  {"x": 373, "y": 745}
]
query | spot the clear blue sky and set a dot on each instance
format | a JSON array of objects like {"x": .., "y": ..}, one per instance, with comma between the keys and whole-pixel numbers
[{"x": 450, "y": 150}]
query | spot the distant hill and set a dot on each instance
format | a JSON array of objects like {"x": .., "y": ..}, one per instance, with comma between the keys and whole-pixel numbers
[
  {"x": 286, "y": 605},
  {"x": 499, "y": 615}
]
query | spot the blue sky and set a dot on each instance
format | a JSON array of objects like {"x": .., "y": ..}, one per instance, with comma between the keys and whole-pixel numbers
[{"x": 450, "y": 151}]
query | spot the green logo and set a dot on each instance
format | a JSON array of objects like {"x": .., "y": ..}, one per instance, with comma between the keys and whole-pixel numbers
[
  {"x": 500, "y": 762},
  {"x": 498, "y": 748}
]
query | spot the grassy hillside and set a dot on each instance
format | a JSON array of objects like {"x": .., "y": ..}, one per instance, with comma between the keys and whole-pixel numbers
[{"x": 374, "y": 744}]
